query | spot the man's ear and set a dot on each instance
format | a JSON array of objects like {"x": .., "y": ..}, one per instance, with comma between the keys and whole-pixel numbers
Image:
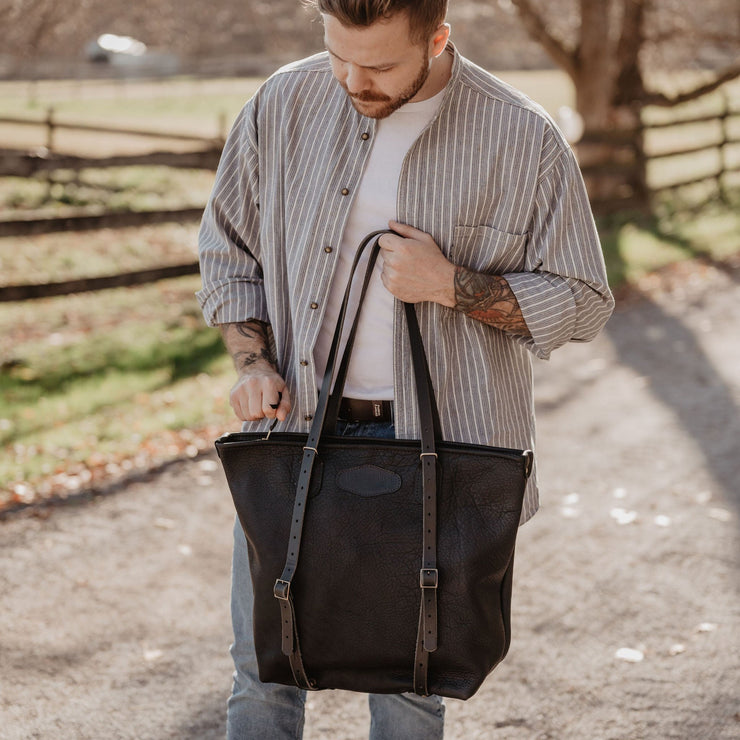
[{"x": 438, "y": 42}]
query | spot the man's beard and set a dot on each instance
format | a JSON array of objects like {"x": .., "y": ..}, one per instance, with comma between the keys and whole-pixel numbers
[{"x": 389, "y": 105}]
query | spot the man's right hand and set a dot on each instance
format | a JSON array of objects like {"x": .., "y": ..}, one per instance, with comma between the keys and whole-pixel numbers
[
  {"x": 260, "y": 391},
  {"x": 259, "y": 395}
]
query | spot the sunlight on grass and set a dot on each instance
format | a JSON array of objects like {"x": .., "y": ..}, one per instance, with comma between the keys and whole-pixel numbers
[
  {"x": 634, "y": 246},
  {"x": 108, "y": 394},
  {"x": 645, "y": 250}
]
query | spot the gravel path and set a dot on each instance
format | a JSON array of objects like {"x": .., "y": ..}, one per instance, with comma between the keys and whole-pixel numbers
[{"x": 114, "y": 620}]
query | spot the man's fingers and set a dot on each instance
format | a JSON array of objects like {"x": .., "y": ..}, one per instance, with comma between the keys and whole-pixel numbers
[
  {"x": 284, "y": 407},
  {"x": 240, "y": 404},
  {"x": 259, "y": 397},
  {"x": 270, "y": 409},
  {"x": 406, "y": 231}
]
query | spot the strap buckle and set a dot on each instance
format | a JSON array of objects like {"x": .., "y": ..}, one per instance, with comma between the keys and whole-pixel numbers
[
  {"x": 429, "y": 578},
  {"x": 281, "y": 589}
]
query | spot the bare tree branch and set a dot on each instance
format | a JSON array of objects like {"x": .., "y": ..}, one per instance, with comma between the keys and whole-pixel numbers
[
  {"x": 666, "y": 101},
  {"x": 535, "y": 26}
]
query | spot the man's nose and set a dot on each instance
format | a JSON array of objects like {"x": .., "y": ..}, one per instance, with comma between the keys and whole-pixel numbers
[{"x": 356, "y": 79}]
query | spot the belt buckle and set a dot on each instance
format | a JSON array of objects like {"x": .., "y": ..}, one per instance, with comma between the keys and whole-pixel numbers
[{"x": 377, "y": 408}]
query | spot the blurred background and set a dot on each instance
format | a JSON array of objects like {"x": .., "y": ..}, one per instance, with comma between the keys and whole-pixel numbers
[{"x": 112, "y": 118}]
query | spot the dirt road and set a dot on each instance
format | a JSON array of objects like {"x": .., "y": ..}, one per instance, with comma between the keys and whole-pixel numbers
[{"x": 114, "y": 619}]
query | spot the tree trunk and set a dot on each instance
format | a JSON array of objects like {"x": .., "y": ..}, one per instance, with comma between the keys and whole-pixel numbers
[
  {"x": 608, "y": 84},
  {"x": 612, "y": 157}
]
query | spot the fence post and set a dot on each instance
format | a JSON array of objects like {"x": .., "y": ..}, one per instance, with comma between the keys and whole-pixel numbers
[
  {"x": 723, "y": 147},
  {"x": 222, "y": 132},
  {"x": 49, "y": 175},
  {"x": 50, "y": 128}
]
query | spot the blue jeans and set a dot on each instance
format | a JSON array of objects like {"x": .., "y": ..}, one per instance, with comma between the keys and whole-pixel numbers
[{"x": 257, "y": 711}]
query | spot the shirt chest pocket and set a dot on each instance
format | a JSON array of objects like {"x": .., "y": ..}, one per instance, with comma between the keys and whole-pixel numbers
[{"x": 485, "y": 249}]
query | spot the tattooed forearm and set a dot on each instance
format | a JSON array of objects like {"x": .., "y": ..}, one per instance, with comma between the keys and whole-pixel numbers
[
  {"x": 490, "y": 299},
  {"x": 247, "y": 343},
  {"x": 253, "y": 329},
  {"x": 245, "y": 359}
]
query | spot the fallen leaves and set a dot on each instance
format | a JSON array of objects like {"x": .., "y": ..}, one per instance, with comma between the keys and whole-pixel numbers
[
  {"x": 638, "y": 654},
  {"x": 629, "y": 655},
  {"x": 100, "y": 470},
  {"x": 622, "y": 516}
]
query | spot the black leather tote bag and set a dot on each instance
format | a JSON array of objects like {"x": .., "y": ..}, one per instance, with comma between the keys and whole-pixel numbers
[{"x": 378, "y": 565}]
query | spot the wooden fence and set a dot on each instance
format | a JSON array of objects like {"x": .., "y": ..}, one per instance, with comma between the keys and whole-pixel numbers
[
  {"x": 51, "y": 124},
  {"x": 621, "y": 159},
  {"x": 21, "y": 163},
  {"x": 722, "y": 145},
  {"x": 24, "y": 164}
]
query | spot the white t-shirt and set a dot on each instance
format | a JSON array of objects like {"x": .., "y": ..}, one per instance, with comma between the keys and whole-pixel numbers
[{"x": 370, "y": 374}]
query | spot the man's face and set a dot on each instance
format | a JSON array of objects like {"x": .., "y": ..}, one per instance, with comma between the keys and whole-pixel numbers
[{"x": 378, "y": 66}]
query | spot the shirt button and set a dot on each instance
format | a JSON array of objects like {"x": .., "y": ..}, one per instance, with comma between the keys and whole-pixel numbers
[
  {"x": 345, "y": 191},
  {"x": 328, "y": 250},
  {"x": 308, "y": 417},
  {"x": 365, "y": 136},
  {"x": 314, "y": 305},
  {"x": 304, "y": 363}
]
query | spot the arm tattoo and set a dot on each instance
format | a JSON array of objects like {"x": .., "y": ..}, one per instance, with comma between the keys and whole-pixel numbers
[
  {"x": 248, "y": 343},
  {"x": 490, "y": 299},
  {"x": 245, "y": 359},
  {"x": 253, "y": 329}
]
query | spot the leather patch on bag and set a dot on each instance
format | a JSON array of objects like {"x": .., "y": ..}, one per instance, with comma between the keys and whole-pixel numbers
[{"x": 368, "y": 480}]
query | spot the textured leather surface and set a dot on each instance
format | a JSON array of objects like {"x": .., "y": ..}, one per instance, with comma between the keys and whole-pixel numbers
[
  {"x": 356, "y": 590},
  {"x": 368, "y": 480}
]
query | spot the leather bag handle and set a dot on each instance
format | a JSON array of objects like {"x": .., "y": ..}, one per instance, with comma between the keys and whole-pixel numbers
[{"x": 324, "y": 417}]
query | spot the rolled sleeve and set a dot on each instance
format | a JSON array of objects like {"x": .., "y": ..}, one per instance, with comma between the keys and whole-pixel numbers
[
  {"x": 548, "y": 308},
  {"x": 563, "y": 293},
  {"x": 229, "y": 238},
  {"x": 233, "y": 300}
]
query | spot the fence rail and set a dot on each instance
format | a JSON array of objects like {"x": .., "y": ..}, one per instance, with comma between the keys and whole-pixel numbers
[
  {"x": 721, "y": 145},
  {"x": 21, "y": 163},
  {"x": 51, "y": 124},
  {"x": 92, "y": 222},
  {"x": 84, "y": 285}
]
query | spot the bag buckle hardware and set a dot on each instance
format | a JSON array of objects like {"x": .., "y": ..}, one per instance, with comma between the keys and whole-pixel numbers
[
  {"x": 281, "y": 589},
  {"x": 428, "y": 454},
  {"x": 429, "y": 578}
]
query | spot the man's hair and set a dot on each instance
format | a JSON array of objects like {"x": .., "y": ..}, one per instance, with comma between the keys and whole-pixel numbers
[{"x": 425, "y": 16}]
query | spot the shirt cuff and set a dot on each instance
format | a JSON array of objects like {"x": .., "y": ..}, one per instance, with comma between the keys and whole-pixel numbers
[
  {"x": 233, "y": 301},
  {"x": 548, "y": 307}
]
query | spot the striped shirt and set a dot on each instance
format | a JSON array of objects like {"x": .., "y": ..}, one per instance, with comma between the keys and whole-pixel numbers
[{"x": 490, "y": 178}]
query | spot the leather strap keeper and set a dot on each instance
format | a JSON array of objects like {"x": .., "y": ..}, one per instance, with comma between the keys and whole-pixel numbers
[{"x": 353, "y": 409}]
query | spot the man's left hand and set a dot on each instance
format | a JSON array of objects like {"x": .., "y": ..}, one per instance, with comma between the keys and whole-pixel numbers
[{"x": 414, "y": 268}]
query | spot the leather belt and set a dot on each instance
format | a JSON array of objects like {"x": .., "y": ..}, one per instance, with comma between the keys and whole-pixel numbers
[{"x": 354, "y": 409}]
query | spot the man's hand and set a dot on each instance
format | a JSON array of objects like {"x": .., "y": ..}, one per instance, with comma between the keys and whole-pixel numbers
[
  {"x": 259, "y": 395},
  {"x": 260, "y": 391},
  {"x": 414, "y": 268}
]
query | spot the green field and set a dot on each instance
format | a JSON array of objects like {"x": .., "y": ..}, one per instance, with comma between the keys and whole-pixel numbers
[{"x": 98, "y": 385}]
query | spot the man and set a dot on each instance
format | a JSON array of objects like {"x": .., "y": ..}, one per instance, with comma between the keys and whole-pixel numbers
[{"x": 493, "y": 241}]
